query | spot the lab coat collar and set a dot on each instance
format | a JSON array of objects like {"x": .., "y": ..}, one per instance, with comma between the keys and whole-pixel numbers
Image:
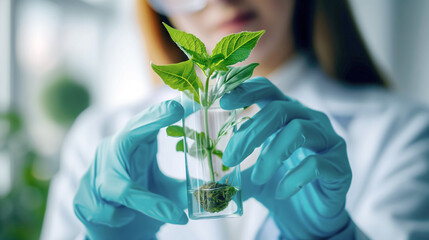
[
  {"x": 288, "y": 75},
  {"x": 303, "y": 80}
]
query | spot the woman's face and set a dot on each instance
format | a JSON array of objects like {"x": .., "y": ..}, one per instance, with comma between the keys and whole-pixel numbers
[{"x": 222, "y": 17}]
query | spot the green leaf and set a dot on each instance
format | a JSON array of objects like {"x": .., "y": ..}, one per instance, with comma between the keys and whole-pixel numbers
[
  {"x": 230, "y": 123},
  {"x": 178, "y": 131},
  {"x": 175, "y": 131},
  {"x": 231, "y": 79},
  {"x": 239, "y": 121},
  {"x": 200, "y": 138},
  {"x": 214, "y": 59},
  {"x": 181, "y": 76},
  {"x": 226, "y": 126},
  {"x": 194, "y": 135},
  {"x": 197, "y": 150},
  {"x": 225, "y": 168},
  {"x": 237, "y": 76},
  {"x": 218, "y": 153},
  {"x": 214, "y": 62},
  {"x": 236, "y": 47},
  {"x": 202, "y": 63},
  {"x": 180, "y": 147},
  {"x": 220, "y": 67},
  {"x": 193, "y": 47}
]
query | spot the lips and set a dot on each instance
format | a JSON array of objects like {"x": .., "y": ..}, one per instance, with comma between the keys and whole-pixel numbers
[{"x": 238, "y": 22}]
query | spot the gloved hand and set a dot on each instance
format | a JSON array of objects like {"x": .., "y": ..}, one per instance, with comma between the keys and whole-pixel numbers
[
  {"x": 124, "y": 195},
  {"x": 302, "y": 174}
]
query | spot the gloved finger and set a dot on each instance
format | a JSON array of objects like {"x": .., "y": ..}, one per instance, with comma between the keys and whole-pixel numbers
[
  {"x": 124, "y": 192},
  {"x": 90, "y": 209},
  {"x": 169, "y": 187},
  {"x": 331, "y": 168},
  {"x": 257, "y": 129},
  {"x": 257, "y": 90},
  {"x": 296, "y": 134},
  {"x": 144, "y": 127},
  {"x": 105, "y": 214},
  {"x": 298, "y": 177},
  {"x": 249, "y": 189},
  {"x": 189, "y": 105}
]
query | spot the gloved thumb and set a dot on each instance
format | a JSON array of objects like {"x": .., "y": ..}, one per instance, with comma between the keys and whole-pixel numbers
[
  {"x": 145, "y": 126},
  {"x": 131, "y": 195}
]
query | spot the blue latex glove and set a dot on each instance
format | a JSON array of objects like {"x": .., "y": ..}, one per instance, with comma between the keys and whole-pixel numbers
[
  {"x": 302, "y": 174},
  {"x": 124, "y": 195}
]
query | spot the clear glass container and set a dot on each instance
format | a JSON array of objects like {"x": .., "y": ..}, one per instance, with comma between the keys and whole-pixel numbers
[{"x": 214, "y": 190}]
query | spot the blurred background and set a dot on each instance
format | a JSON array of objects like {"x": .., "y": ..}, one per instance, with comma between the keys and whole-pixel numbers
[{"x": 58, "y": 57}]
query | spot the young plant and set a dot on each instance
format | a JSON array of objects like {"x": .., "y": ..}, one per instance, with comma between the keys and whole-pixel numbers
[{"x": 234, "y": 48}]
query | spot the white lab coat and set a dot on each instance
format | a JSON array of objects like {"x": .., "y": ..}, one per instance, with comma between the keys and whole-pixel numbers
[{"x": 387, "y": 140}]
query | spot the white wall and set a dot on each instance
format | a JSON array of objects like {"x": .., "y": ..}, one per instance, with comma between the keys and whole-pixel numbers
[
  {"x": 410, "y": 48},
  {"x": 397, "y": 34},
  {"x": 5, "y": 161},
  {"x": 5, "y": 17},
  {"x": 124, "y": 70}
]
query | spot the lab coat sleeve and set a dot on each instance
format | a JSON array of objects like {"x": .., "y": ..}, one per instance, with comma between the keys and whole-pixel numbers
[
  {"x": 78, "y": 150},
  {"x": 395, "y": 201}
]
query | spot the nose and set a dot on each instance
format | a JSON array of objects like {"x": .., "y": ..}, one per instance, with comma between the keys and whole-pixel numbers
[
  {"x": 173, "y": 7},
  {"x": 224, "y": 1}
]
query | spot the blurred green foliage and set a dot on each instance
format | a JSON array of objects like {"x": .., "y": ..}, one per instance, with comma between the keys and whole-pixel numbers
[
  {"x": 23, "y": 208},
  {"x": 64, "y": 99}
]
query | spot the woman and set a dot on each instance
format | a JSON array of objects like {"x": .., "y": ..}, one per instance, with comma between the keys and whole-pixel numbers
[{"x": 300, "y": 184}]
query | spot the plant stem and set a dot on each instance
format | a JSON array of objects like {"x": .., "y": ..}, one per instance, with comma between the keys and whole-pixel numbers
[
  {"x": 209, "y": 152},
  {"x": 206, "y": 124}
]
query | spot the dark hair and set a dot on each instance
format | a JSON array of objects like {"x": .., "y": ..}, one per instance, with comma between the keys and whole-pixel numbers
[
  {"x": 338, "y": 47},
  {"x": 326, "y": 30}
]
